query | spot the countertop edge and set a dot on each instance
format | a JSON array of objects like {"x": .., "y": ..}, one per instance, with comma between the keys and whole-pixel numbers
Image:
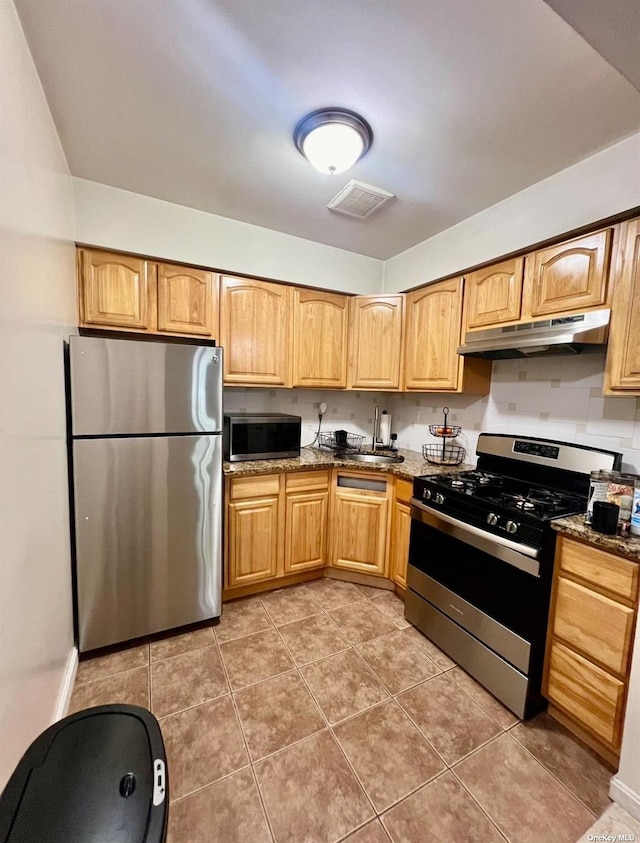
[
  {"x": 574, "y": 527},
  {"x": 311, "y": 459}
]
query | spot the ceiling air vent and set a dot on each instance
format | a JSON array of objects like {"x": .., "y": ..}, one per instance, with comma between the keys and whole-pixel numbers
[{"x": 358, "y": 199}]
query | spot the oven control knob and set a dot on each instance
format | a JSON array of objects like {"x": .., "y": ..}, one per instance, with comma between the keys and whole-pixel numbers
[
  {"x": 426, "y": 495},
  {"x": 439, "y": 498},
  {"x": 492, "y": 519},
  {"x": 511, "y": 527}
]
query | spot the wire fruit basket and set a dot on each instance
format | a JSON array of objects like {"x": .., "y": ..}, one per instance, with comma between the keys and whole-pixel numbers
[
  {"x": 348, "y": 441},
  {"x": 445, "y": 453}
]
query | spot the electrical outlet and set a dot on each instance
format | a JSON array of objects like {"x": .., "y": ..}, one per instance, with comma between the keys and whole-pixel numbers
[{"x": 322, "y": 408}]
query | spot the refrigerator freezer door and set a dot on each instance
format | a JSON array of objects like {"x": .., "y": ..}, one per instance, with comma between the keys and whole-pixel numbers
[
  {"x": 148, "y": 519},
  {"x": 121, "y": 387}
]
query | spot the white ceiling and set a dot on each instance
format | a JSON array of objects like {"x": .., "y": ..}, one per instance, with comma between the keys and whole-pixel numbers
[{"x": 195, "y": 102}]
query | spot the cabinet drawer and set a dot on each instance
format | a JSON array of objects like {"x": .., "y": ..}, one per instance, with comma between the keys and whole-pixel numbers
[
  {"x": 598, "y": 626},
  {"x": 299, "y": 481},
  {"x": 254, "y": 487},
  {"x": 404, "y": 490},
  {"x": 613, "y": 573},
  {"x": 586, "y": 692}
]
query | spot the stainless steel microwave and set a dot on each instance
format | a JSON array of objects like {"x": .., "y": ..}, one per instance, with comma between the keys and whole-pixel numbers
[{"x": 261, "y": 436}]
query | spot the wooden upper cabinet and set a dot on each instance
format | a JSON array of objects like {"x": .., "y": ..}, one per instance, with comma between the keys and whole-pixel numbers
[
  {"x": 116, "y": 291},
  {"x": 493, "y": 295},
  {"x": 186, "y": 301},
  {"x": 567, "y": 277},
  {"x": 320, "y": 326},
  {"x": 433, "y": 334},
  {"x": 255, "y": 332},
  {"x": 623, "y": 357},
  {"x": 376, "y": 342}
]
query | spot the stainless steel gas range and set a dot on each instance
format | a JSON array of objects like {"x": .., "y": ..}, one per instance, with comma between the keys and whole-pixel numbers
[{"x": 481, "y": 557}]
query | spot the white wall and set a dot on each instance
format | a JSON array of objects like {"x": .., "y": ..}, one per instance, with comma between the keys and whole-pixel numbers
[
  {"x": 625, "y": 787},
  {"x": 38, "y": 310},
  {"x": 600, "y": 186},
  {"x": 117, "y": 219}
]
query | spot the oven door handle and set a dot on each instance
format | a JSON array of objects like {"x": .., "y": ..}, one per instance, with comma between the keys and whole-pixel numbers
[{"x": 521, "y": 556}]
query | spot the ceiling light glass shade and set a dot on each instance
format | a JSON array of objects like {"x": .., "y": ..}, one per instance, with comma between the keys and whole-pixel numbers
[{"x": 332, "y": 140}]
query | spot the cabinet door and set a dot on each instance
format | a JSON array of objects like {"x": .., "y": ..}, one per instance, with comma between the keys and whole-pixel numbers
[
  {"x": 433, "y": 336},
  {"x": 305, "y": 544},
  {"x": 320, "y": 323},
  {"x": 255, "y": 332},
  {"x": 359, "y": 530},
  {"x": 376, "y": 342},
  {"x": 567, "y": 277},
  {"x": 253, "y": 542},
  {"x": 186, "y": 301},
  {"x": 493, "y": 295},
  {"x": 116, "y": 291},
  {"x": 306, "y": 520},
  {"x": 623, "y": 357},
  {"x": 399, "y": 543}
]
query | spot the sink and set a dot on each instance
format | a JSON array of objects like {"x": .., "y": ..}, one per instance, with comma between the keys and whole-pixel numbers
[{"x": 384, "y": 459}]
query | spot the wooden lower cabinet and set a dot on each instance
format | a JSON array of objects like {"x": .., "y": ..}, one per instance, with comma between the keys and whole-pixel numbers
[
  {"x": 359, "y": 518},
  {"x": 592, "y": 621},
  {"x": 253, "y": 530},
  {"x": 589, "y": 694},
  {"x": 400, "y": 532},
  {"x": 306, "y": 516},
  {"x": 276, "y": 525}
]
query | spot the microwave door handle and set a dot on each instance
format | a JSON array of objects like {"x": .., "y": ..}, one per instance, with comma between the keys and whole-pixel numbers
[{"x": 521, "y": 556}]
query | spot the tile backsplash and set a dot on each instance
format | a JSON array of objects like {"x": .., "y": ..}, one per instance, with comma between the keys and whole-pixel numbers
[{"x": 552, "y": 397}]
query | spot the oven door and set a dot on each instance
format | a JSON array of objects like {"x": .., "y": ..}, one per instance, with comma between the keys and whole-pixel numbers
[{"x": 489, "y": 585}]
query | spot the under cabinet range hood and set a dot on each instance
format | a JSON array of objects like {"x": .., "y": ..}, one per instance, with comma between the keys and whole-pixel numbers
[{"x": 576, "y": 334}]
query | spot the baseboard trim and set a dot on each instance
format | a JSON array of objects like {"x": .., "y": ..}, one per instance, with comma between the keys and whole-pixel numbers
[
  {"x": 64, "y": 697},
  {"x": 625, "y": 797}
]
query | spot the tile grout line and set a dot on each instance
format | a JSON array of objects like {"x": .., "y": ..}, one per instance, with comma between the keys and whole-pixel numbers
[
  {"x": 415, "y": 789},
  {"x": 552, "y": 774},
  {"x": 482, "y": 809},
  {"x": 336, "y": 741},
  {"x": 246, "y": 747},
  {"x": 504, "y": 729}
]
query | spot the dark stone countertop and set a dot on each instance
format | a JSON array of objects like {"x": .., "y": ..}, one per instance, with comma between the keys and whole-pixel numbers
[
  {"x": 413, "y": 466},
  {"x": 575, "y": 527}
]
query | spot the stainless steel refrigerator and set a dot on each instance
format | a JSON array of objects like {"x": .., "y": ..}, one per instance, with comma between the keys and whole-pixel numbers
[{"x": 146, "y": 451}]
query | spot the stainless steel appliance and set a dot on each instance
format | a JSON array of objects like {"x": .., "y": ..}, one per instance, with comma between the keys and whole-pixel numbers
[
  {"x": 146, "y": 454},
  {"x": 575, "y": 334},
  {"x": 261, "y": 436},
  {"x": 481, "y": 557}
]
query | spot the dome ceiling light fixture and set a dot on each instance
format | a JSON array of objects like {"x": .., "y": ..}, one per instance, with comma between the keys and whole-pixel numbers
[{"x": 333, "y": 139}]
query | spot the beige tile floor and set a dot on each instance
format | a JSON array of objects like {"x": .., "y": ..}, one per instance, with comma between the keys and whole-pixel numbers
[{"x": 315, "y": 714}]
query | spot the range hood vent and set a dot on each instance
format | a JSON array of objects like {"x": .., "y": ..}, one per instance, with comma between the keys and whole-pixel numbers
[
  {"x": 575, "y": 334},
  {"x": 358, "y": 199}
]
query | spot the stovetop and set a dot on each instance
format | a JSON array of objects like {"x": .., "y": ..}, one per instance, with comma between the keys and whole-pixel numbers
[
  {"x": 498, "y": 504},
  {"x": 520, "y": 485},
  {"x": 511, "y": 493}
]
